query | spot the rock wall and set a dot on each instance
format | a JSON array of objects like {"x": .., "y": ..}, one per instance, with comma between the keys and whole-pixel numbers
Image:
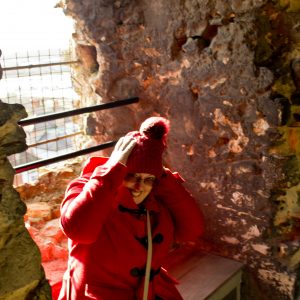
[
  {"x": 43, "y": 198},
  {"x": 19, "y": 255},
  {"x": 221, "y": 72}
]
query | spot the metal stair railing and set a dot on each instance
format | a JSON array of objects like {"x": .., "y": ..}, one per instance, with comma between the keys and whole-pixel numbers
[{"x": 58, "y": 115}]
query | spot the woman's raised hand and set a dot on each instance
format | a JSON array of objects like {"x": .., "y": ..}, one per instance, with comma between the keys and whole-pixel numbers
[{"x": 122, "y": 150}]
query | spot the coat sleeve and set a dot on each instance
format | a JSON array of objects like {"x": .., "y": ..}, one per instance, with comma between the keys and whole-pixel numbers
[
  {"x": 186, "y": 214},
  {"x": 88, "y": 200}
]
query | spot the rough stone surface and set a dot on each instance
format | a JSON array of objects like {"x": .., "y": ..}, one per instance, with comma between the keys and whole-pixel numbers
[
  {"x": 43, "y": 199},
  {"x": 220, "y": 71},
  {"x": 19, "y": 255}
]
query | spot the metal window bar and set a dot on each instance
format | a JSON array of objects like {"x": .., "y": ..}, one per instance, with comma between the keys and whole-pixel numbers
[
  {"x": 54, "y": 116},
  {"x": 79, "y": 111},
  {"x": 40, "y": 65},
  {"x": 41, "y": 80}
]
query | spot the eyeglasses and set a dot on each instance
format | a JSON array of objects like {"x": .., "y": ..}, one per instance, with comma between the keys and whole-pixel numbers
[{"x": 135, "y": 178}]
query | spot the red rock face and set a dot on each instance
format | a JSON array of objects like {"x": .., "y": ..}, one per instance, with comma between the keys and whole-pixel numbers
[
  {"x": 51, "y": 241},
  {"x": 42, "y": 220}
]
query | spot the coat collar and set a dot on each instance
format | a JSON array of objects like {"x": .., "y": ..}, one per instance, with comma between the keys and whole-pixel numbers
[{"x": 126, "y": 200}]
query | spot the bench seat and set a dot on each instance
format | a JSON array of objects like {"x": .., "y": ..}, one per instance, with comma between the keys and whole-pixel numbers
[{"x": 206, "y": 276}]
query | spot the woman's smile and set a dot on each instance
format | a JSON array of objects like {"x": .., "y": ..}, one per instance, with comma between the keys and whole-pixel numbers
[
  {"x": 135, "y": 193},
  {"x": 139, "y": 185}
]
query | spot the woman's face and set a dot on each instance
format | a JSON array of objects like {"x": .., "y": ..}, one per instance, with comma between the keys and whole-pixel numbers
[{"x": 139, "y": 185}]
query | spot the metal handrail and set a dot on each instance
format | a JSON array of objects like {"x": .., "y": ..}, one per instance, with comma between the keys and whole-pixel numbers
[
  {"x": 48, "y": 161},
  {"x": 41, "y": 65},
  {"x": 59, "y": 138},
  {"x": 54, "y": 116},
  {"x": 78, "y": 111}
]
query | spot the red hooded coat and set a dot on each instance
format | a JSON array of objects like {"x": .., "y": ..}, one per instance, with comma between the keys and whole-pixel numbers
[{"x": 108, "y": 234}]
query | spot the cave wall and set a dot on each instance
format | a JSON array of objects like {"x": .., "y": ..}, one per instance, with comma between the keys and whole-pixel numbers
[
  {"x": 22, "y": 276},
  {"x": 227, "y": 76},
  {"x": 221, "y": 72}
]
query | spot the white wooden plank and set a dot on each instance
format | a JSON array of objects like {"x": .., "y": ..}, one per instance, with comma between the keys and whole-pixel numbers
[{"x": 202, "y": 275}]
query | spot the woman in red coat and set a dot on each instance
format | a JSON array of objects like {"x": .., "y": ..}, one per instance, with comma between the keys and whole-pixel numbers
[{"x": 122, "y": 216}]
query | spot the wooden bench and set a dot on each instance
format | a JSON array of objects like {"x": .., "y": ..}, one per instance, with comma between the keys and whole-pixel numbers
[{"x": 206, "y": 276}]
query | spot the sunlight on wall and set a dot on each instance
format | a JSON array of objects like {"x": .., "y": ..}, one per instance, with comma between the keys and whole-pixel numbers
[{"x": 33, "y": 24}]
